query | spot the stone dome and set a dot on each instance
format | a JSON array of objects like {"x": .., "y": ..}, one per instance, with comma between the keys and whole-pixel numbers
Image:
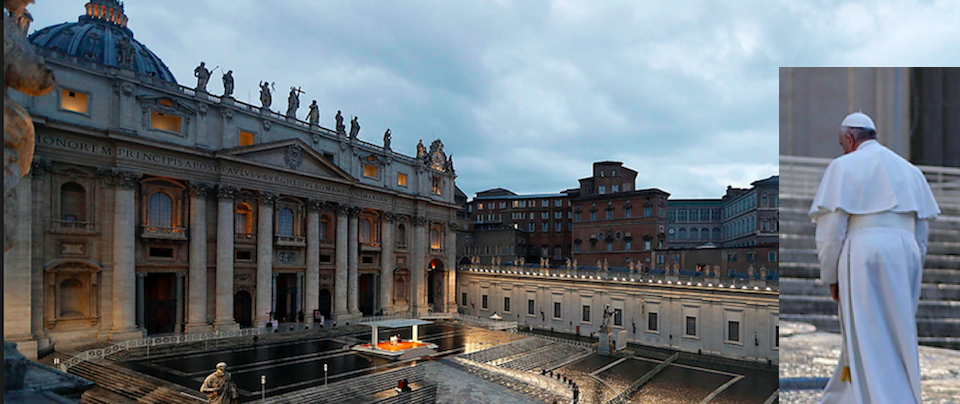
[{"x": 96, "y": 37}]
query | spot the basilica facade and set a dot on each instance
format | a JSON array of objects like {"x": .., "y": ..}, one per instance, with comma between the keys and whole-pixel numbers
[{"x": 154, "y": 208}]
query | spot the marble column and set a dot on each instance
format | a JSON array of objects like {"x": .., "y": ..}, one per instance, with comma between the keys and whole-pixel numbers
[
  {"x": 141, "y": 297},
  {"x": 197, "y": 283},
  {"x": 340, "y": 285},
  {"x": 450, "y": 281},
  {"x": 39, "y": 184},
  {"x": 124, "y": 254},
  {"x": 353, "y": 258},
  {"x": 298, "y": 298},
  {"x": 179, "y": 324},
  {"x": 17, "y": 269},
  {"x": 273, "y": 293},
  {"x": 224, "y": 300},
  {"x": 387, "y": 262},
  {"x": 418, "y": 266},
  {"x": 312, "y": 290},
  {"x": 264, "y": 300}
]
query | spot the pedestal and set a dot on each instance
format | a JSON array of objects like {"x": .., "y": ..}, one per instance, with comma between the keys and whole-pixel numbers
[{"x": 604, "y": 346}]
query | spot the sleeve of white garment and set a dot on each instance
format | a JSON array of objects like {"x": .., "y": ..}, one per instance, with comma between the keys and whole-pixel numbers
[
  {"x": 831, "y": 231},
  {"x": 921, "y": 233}
]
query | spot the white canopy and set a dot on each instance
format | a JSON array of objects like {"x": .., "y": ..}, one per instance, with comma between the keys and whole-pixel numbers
[{"x": 398, "y": 323}]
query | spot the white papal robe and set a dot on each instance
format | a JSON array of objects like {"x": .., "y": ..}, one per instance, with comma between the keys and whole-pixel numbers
[{"x": 871, "y": 212}]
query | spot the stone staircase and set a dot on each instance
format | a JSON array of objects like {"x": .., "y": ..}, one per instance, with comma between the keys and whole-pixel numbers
[
  {"x": 804, "y": 298},
  {"x": 511, "y": 382},
  {"x": 361, "y": 389}
]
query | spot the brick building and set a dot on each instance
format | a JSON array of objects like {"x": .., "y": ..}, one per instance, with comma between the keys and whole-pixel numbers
[{"x": 544, "y": 219}]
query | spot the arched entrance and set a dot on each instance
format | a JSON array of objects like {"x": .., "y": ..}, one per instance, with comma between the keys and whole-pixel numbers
[
  {"x": 160, "y": 302},
  {"x": 367, "y": 293},
  {"x": 243, "y": 308},
  {"x": 325, "y": 302},
  {"x": 435, "y": 289}
]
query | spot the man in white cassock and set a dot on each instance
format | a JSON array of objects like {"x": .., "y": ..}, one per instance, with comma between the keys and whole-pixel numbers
[{"x": 871, "y": 213}]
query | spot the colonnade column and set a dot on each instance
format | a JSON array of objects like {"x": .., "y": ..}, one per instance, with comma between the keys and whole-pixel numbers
[
  {"x": 353, "y": 257},
  {"x": 124, "y": 251},
  {"x": 298, "y": 299},
  {"x": 418, "y": 266},
  {"x": 450, "y": 282},
  {"x": 141, "y": 300},
  {"x": 312, "y": 290},
  {"x": 264, "y": 299},
  {"x": 18, "y": 274},
  {"x": 387, "y": 263},
  {"x": 179, "y": 323},
  {"x": 340, "y": 279},
  {"x": 224, "y": 299},
  {"x": 197, "y": 282}
]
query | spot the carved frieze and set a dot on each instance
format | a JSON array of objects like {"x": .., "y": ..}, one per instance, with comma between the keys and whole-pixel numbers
[{"x": 293, "y": 156}]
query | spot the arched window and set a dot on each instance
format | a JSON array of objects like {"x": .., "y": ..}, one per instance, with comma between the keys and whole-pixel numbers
[
  {"x": 73, "y": 202},
  {"x": 704, "y": 233},
  {"x": 160, "y": 210},
  {"x": 71, "y": 298},
  {"x": 682, "y": 234},
  {"x": 402, "y": 235},
  {"x": 244, "y": 219},
  {"x": 435, "y": 239},
  {"x": 324, "y": 227},
  {"x": 365, "y": 230},
  {"x": 694, "y": 235},
  {"x": 716, "y": 233},
  {"x": 285, "y": 227}
]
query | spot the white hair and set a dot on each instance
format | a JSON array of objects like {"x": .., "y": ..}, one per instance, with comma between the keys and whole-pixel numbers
[{"x": 221, "y": 364}]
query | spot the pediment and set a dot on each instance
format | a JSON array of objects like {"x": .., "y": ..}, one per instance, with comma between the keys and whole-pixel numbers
[{"x": 292, "y": 154}]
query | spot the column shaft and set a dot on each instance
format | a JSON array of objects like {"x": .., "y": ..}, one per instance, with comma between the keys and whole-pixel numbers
[
  {"x": 124, "y": 266},
  {"x": 386, "y": 267},
  {"x": 298, "y": 298},
  {"x": 353, "y": 258},
  {"x": 17, "y": 288},
  {"x": 224, "y": 317},
  {"x": 179, "y": 323},
  {"x": 450, "y": 282},
  {"x": 264, "y": 264},
  {"x": 340, "y": 285},
  {"x": 312, "y": 290},
  {"x": 141, "y": 304},
  {"x": 418, "y": 266},
  {"x": 197, "y": 284}
]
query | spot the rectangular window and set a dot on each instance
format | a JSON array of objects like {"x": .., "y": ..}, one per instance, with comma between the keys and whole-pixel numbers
[
  {"x": 751, "y": 257},
  {"x": 609, "y": 214},
  {"x": 733, "y": 331},
  {"x": 691, "y": 326},
  {"x": 628, "y": 246},
  {"x": 463, "y": 299},
  {"x": 161, "y": 252},
  {"x": 578, "y": 216},
  {"x": 244, "y": 255},
  {"x": 484, "y": 301},
  {"x": 558, "y": 215},
  {"x": 557, "y": 226},
  {"x": 731, "y": 257},
  {"x": 435, "y": 186},
  {"x": 627, "y": 212},
  {"x": 618, "y": 317},
  {"x": 161, "y": 121},
  {"x": 593, "y": 216},
  {"x": 531, "y": 228},
  {"x": 773, "y": 257},
  {"x": 506, "y": 304},
  {"x": 73, "y": 101},
  {"x": 603, "y": 190},
  {"x": 246, "y": 138},
  {"x": 516, "y": 204},
  {"x": 586, "y": 314},
  {"x": 652, "y": 322},
  {"x": 614, "y": 188},
  {"x": 556, "y": 310},
  {"x": 401, "y": 179},
  {"x": 545, "y": 226},
  {"x": 646, "y": 211},
  {"x": 544, "y": 215},
  {"x": 545, "y": 204},
  {"x": 480, "y": 206},
  {"x": 370, "y": 171},
  {"x": 530, "y": 304},
  {"x": 557, "y": 203}
]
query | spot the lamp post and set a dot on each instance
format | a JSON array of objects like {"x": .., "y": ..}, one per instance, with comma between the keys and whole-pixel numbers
[
  {"x": 324, "y": 375},
  {"x": 263, "y": 386}
]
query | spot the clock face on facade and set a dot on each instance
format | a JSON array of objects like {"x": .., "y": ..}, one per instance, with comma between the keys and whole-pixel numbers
[
  {"x": 438, "y": 161},
  {"x": 671, "y": 231}
]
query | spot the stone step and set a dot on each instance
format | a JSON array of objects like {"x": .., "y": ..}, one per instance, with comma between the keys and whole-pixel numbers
[
  {"x": 808, "y": 242},
  {"x": 814, "y": 287},
  {"x": 926, "y": 327},
  {"x": 927, "y": 309},
  {"x": 801, "y": 270},
  {"x": 939, "y": 261}
]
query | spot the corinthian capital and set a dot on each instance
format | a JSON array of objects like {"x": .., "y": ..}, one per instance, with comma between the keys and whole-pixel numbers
[
  {"x": 419, "y": 221},
  {"x": 226, "y": 192},
  {"x": 200, "y": 189},
  {"x": 315, "y": 205},
  {"x": 119, "y": 179},
  {"x": 268, "y": 198}
]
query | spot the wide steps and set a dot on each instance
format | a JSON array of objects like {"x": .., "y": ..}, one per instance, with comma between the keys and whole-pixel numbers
[
  {"x": 826, "y": 305},
  {"x": 810, "y": 270},
  {"x": 815, "y": 287},
  {"x": 126, "y": 385},
  {"x": 424, "y": 395},
  {"x": 354, "y": 390},
  {"x": 926, "y": 327}
]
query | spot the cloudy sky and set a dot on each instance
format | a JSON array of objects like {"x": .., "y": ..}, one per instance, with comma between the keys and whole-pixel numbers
[{"x": 527, "y": 94}]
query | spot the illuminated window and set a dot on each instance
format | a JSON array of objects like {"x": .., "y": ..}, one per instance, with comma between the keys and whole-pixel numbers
[
  {"x": 370, "y": 171},
  {"x": 243, "y": 221},
  {"x": 161, "y": 121},
  {"x": 402, "y": 180},
  {"x": 246, "y": 138},
  {"x": 435, "y": 186},
  {"x": 160, "y": 210},
  {"x": 435, "y": 239},
  {"x": 73, "y": 101}
]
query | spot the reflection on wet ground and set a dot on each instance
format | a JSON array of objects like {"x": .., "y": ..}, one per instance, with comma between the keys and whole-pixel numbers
[{"x": 676, "y": 385}]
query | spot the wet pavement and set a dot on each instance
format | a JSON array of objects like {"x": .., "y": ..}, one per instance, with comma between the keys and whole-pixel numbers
[{"x": 808, "y": 358}]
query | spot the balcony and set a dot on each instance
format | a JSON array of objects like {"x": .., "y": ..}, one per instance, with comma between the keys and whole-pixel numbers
[
  {"x": 72, "y": 227},
  {"x": 366, "y": 246},
  {"x": 291, "y": 241},
  {"x": 164, "y": 233},
  {"x": 244, "y": 237}
]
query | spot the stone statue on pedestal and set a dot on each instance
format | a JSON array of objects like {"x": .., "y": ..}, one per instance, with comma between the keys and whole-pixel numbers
[
  {"x": 750, "y": 272},
  {"x": 340, "y": 128},
  {"x": 421, "y": 150},
  {"x": 125, "y": 52},
  {"x": 293, "y": 101},
  {"x": 266, "y": 99},
  {"x": 314, "y": 115},
  {"x": 606, "y": 265},
  {"x": 354, "y": 128},
  {"x": 203, "y": 76},
  {"x": 568, "y": 263},
  {"x": 387, "y": 138},
  {"x": 228, "y": 83},
  {"x": 219, "y": 386},
  {"x": 716, "y": 270},
  {"x": 763, "y": 272}
]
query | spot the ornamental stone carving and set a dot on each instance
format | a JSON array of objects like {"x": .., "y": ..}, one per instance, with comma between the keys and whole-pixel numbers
[
  {"x": 342, "y": 210},
  {"x": 354, "y": 211},
  {"x": 228, "y": 113},
  {"x": 39, "y": 167},
  {"x": 267, "y": 125},
  {"x": 226, "y": 192},
  {"x": 391, "y": 217},
  {"x": 293, "y": 157},
  {"x": 315, "y": 205},
  {"x": 199, "y": 189},
  {"x": 419, "y": 221},
  {"x": 120, "y": 179},
  {"x": 267, "y": 198},
  {"x": 452, "y": 226}
]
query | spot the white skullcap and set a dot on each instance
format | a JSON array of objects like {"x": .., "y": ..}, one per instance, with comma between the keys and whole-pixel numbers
[
  {"x": 859, "y": 120},
  {"x": 224, "y": 364}
]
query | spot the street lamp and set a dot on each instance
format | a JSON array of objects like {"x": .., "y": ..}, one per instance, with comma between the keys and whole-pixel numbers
[
  {"x": 263, "y": 386},
  {"x": 324, "y": 375}
]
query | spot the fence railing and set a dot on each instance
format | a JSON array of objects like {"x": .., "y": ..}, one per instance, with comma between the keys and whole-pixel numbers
[
  {"x": 546, "y": 385},
  {"x": 625, "y": 395},
  {"x": 478, "y": 321},
  {"x": 585, "y": 344},
  {"x": 100, "y": 353}
]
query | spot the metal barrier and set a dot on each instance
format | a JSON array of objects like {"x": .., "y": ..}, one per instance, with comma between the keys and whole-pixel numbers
[
  {"x": 625, "y": 395},
  {"x": 100, "y": 353},
  {"x": 585, "y": 344},
  {"x": 478, "y": 321}
]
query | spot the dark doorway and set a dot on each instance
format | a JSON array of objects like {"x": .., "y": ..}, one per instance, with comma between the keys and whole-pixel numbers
[
  {"x": 325, "y": 302},
  {"x": 367, "y": 288},
  {"x": 435, "y": 280},
  {"x": 287, "y": 295},
  {"x": 160, "y": 302},
  {"x": 243, "y": 308}
]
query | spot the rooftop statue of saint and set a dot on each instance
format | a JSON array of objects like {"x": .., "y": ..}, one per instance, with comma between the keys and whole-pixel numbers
[
  {"x": 219, "y": 386},
  {"x": 125, "y": 52},
  {"x": 421, "y": 150},
  {"x": 354, "y": 128},
  {"x": 387, "y": 136},
  {"x": 203, "y": 76},
  {"x": 228, "y": 83},
  {"x": 293, "y": 101},
  {"x": 340, "y": 127},
  {"x": 265, "y": 98},
  {"x": 314, "y": 115}
]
